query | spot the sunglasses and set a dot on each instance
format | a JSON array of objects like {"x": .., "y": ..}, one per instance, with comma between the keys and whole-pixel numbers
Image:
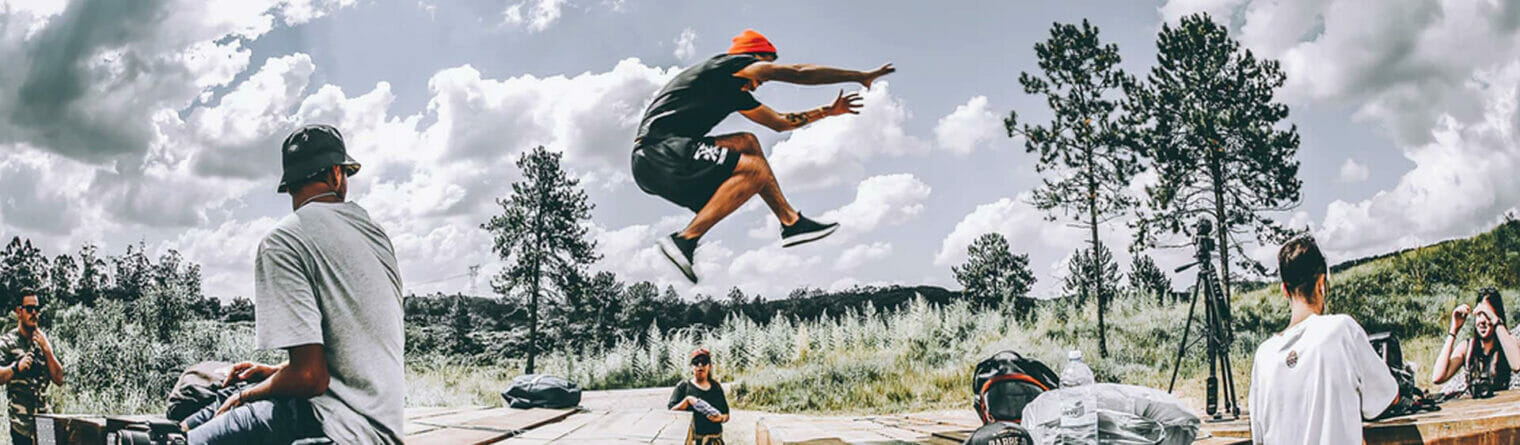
[
  {"x": 701, "y": 362},
  {"x": 31, "y": 308}
]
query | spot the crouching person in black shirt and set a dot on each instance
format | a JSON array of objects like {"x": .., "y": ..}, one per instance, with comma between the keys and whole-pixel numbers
[{"x": 703, "y": 396}]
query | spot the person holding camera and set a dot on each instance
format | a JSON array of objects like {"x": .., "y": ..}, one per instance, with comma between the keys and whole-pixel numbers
[
  {"x": 1491, "y": 356},
  {"x": 1314, "y": 382},
  {"x": 703, "y": 396},
  {"x": 30, "y": 367},
  {"x": 327, "y": 290}
]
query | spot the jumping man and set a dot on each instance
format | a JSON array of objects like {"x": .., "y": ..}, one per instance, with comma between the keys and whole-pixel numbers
[{"x": 673, "y": 157}]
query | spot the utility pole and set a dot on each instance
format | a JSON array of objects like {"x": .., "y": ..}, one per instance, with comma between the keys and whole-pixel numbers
[{"x": 474, "y": 272}]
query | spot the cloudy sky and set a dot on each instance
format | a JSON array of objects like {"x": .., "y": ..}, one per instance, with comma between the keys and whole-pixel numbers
[{"x": 159, "y": 120}]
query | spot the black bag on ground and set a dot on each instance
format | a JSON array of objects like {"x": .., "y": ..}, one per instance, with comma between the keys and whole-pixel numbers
[
  {"x": 1007, "y": 381},
  {"x": 542, "y": 391}
]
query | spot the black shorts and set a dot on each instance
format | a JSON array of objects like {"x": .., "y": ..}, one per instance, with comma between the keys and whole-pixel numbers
[{"x": 685, "y": 171}]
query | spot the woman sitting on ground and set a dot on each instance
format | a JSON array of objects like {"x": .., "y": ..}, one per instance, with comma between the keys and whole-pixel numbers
[
  {"x": 1492, "y": 347},
  {"x": 703, "y": 396}
]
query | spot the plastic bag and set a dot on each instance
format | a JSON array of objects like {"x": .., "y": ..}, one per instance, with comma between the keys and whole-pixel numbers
[{"x": 1127, "y": 415}]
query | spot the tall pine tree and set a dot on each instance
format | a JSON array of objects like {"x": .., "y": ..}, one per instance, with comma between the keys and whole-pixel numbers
[
  {"x": 540, "y": 236},
  {"x": 1086, "y": 153},
  {"x": 1217, "y": 141}
]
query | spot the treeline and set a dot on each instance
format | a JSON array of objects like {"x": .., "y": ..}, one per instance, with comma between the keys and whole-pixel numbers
[
  {"x": 487, "y": 328},
  {"x": 89, "y": 278}
]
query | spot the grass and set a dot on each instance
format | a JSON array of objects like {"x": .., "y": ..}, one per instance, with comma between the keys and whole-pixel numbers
[
  {"x": 916, "y": 357},
  {"x": 921, "y": 356}
]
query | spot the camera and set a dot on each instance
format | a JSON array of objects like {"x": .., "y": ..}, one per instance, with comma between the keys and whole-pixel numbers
[
  {"x": 1203, "y": 238},
  {"x": 139, "y": 432},
  {"x": 1480, "y": 383}
]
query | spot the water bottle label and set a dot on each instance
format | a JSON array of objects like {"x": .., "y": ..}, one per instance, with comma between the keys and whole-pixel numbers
[{"x": 1073, "y": 413}]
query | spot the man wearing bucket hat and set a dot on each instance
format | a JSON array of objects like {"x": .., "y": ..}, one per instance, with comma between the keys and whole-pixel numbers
[
  {"x": 675, "y": 159},
  {"x": 327, "y": 291}
]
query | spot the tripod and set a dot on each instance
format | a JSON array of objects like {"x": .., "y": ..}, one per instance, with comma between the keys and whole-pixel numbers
[{"x": 1217, "y": 332}]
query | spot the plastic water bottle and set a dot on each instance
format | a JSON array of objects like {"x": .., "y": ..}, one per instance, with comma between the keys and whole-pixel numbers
[
  {"x": 1076, "y": 373},
  {"x": 1079, "y": 404}
]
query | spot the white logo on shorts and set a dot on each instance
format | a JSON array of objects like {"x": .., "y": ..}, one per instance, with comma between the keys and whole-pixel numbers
[{"x": 710, "y": 153}]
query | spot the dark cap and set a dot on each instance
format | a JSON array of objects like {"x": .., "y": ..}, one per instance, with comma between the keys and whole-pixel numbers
[{"x": 312, "y": 149}]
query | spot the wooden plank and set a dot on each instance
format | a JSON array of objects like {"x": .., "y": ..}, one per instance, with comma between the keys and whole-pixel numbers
[
  {"x": 435, "y": 411},
  {"x": 480, "y": 425},
  {"x": 517, "y": 420},
  {"x": 453, "y": 436},
  {"x": 917, "y": 429},
  {"x": 557, "y": 430},
  {"x": 1464, "y": 421},
  {"x": 650, "y": 426}
]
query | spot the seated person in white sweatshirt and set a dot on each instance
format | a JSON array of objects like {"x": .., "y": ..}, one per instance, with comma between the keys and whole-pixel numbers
[{"x": 1314, "y": 382}]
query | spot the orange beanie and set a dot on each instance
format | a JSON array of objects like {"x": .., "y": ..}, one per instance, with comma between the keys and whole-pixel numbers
[{"x": 750, "y": 41}]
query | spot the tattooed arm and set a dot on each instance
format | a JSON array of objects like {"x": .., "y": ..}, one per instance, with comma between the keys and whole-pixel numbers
[{"x": 764, "y": 115}]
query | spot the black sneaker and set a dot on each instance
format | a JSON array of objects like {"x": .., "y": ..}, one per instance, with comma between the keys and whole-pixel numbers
[
  {"x": 679, "y": 251},
  {"x": 805, "y": 231}
]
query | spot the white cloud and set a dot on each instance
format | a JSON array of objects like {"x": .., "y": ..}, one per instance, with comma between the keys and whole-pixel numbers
[
  {"x": 1462, "y": 180},
  {"x": 236, "y": 136},
  {"x": 1023, "y": 225},
  {"x": 536, "y": 15},
  {"x": 1439, "y": 77},
  {"x": 861, "y": 254},
  {"x": 686, "y": 44},
  {"x": 1352, "y": 171},
  {"x": 225, "y": 254},
  {"x": 756, "y": 269},
  {"x": 880, "y": 200},
  {"x": 970, "y": 125},
  {"x": 1219, "y": 9},
  {"x": 1403, "y": 63},
  {"x": 92, "y": 80},
  {"x": 834, "y": 151}
]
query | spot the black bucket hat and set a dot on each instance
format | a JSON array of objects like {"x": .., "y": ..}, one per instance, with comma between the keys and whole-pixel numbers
[{"x": 312, "y": 149}]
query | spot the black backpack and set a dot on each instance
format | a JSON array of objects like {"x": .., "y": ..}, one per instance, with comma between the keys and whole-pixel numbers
[
  {"x": 1411, "y": 399},
  {"x": 1007, "y": 381},
  {"x": 999, "y": 433},
  {"x": 542, "y": 391}
]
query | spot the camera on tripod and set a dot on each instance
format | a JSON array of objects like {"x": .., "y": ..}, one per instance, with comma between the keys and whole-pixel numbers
[
  {"x": 1218, "y": 333},
  {"x": 1203, "y": 241}
]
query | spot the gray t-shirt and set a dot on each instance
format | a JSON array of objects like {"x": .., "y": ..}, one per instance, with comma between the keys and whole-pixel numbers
[{"x": 327, "y": 275}]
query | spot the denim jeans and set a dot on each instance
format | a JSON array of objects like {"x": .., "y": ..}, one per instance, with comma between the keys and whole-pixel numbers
[{"x": 264, "y": 421}]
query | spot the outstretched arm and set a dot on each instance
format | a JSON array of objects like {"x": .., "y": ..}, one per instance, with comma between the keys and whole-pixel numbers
[
  {"x": 803, "y": 74},
  {"x": 764, "y": 115}
]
